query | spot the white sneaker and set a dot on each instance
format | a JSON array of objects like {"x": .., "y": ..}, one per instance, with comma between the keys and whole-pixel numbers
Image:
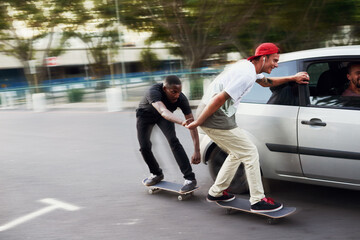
[{"x": 188, "y": 185}]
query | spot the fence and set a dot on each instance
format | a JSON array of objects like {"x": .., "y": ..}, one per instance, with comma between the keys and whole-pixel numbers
[{"x": 85, "y": 90}]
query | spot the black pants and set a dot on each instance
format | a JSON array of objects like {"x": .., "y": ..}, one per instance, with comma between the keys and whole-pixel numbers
[{"x": 144, "y": 124}]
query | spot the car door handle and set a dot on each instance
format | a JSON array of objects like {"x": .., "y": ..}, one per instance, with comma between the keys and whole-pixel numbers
[{"x": 314, "y": 122}]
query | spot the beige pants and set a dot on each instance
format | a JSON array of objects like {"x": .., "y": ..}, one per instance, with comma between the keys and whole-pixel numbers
[{"x": 240, "y": 150}]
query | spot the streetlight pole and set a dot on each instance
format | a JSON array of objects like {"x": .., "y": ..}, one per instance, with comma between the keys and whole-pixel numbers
[{"x": 120, "y": 40}]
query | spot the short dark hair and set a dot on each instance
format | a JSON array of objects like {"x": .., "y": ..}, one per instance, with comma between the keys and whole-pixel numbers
[
  {"x": 350, "y": 64},
  {"x": 172, "y": 80}
]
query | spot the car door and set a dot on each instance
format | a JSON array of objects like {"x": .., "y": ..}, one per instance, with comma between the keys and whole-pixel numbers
[
  {"x": 269, "y": 115},
  {"x": 329, "y": 127}
]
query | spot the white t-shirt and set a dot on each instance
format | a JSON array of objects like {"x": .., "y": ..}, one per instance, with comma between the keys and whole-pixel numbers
[{"x": 236, "y": 80}]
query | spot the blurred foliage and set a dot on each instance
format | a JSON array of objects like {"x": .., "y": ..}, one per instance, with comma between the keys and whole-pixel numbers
[
  {"x": 194, "y": 29},
  {"x": 306, "y": 24},
  {"x": 24, "y": 22},
  {"x": 75, "y": 95},
  {"x": 149, "y": 60},
  {"x": 201, "y": 28},
  {"x": 196, "y": 87},
  {"x": 101, "y": 34}
]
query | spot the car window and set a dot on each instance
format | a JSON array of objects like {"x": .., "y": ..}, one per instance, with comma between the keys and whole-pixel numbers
[
  {"x": 284, "y": 69},
  {"x": 258, "y": 94},
  {"x": 328, "y": 83},
  {"x": 286, "y": 94}
]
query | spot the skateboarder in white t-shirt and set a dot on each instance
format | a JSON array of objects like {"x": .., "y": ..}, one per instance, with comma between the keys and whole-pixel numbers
[{"x": 216, "y": 117}]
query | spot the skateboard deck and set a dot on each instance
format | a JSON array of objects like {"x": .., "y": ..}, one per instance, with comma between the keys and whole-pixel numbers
[
  {"x": 171, "y": 187},
  {"x": 244, "y": 205}
]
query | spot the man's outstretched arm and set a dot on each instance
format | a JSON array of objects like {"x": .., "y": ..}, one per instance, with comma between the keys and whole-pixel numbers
[
  {"x": 195, "y": 159},
  {"x": 300, "y": 78},
  {"x": 216, "y": 102},
  {"x": 167, "y": 114}
]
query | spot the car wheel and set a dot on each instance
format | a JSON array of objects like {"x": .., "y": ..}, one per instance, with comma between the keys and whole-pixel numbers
[{"x": 239, "y": 183}]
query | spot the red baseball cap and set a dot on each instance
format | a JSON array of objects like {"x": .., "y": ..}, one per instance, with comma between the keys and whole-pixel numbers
[{"x": 265, "y": 49}]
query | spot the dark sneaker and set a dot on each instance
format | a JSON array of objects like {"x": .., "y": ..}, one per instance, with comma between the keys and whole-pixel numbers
[
  {"x": 188, "y": 186},
  {"x": 266, "y": 205},
  {"x": 226, "y": 197},
  {"x": 153, "y": 179}
]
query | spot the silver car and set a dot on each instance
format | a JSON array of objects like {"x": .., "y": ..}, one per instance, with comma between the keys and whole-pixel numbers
[{"x": 304, "y": 133}]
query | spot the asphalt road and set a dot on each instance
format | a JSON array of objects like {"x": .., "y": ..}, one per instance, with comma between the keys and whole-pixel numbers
[{"x": 88, "y": 163}]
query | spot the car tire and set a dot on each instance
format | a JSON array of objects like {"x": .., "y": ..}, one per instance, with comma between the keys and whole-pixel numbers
[{"x": 239, "y": 183}]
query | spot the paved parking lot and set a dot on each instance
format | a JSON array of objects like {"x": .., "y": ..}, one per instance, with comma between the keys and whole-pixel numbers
[{"x": 76, "y": 174}]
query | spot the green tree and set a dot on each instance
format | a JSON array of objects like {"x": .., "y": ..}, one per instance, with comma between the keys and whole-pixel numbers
[
  {"x": 24, "y": 22},
  {"x": 198, "y": 28},
  {"x": 149, "y": 60},
  {"x": 297, "y": 25},
  {"x": 100, "y": 34},
  {"x": 306, "y": 24}
]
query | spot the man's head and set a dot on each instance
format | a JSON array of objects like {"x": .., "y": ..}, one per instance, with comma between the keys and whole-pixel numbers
[
  {"x": 266, "y": 57},
  {"x": 354, "y": 74},
  {"x": 172, "y": 88}
]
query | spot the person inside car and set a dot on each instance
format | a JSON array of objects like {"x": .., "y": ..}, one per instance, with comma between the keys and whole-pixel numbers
[
  {"x": 217, "y": 119},
  {"x": 354, "y": 80},
  {"x": 157, "y": 107}
]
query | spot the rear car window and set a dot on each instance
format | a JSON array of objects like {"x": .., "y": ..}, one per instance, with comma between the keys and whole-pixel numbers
[{"x": 286, "y": 94}]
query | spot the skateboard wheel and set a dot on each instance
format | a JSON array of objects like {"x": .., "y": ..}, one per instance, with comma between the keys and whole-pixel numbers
[
  {"x": 180, "y": 198},
  {"x": 153, "y": 190}
]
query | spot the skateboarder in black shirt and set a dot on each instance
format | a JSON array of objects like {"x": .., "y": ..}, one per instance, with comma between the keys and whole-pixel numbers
[{"x": 157, "y": 107}]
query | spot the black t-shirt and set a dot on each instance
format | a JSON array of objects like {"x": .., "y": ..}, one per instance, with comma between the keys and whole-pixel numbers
[{"x": 156, "y": 93}]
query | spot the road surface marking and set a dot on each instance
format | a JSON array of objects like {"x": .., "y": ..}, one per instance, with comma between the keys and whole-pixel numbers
[{"x": 53, "y": 205}]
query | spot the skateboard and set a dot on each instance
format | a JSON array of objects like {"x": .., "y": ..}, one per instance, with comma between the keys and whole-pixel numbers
[
  {"x": 240, "y": 204},
  {"x": 171, "y": 187}
]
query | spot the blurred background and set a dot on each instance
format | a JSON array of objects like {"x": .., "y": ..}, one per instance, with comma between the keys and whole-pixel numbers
[{"x": 74, "y": 50}]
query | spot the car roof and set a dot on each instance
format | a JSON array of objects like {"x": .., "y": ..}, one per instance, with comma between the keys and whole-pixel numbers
[{"x": 353, "y": 50}]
